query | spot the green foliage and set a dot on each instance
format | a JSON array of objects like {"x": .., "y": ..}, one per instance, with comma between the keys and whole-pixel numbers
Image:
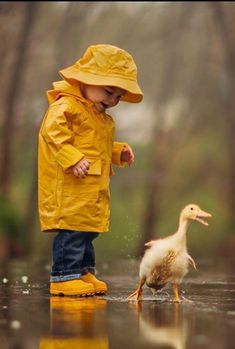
[{"x": 10, "y": 220}]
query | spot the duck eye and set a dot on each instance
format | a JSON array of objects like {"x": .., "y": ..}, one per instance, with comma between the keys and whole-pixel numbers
[{"x": 191, "y": 208}]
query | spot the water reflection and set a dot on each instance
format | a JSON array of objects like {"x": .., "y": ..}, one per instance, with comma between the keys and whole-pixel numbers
[
  {"x": 113, "y": 322},
  {"x": 162, "y": 324},
  {"x": 76, "y": 323}
]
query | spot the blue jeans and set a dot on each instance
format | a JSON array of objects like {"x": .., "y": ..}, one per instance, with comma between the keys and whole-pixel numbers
[{"x": 73, "y": 255}]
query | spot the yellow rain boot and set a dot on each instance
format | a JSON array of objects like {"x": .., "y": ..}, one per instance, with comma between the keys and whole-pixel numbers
[
  {"x": 99, "y": 286},
  {"x": 72, "y": 288}
]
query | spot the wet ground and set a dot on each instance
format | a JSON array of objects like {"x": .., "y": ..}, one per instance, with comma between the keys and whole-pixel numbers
[{"x": 30, "y": 318}]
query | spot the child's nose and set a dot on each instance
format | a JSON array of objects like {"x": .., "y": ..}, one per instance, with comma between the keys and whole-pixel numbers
[{"x": 114, "y": 100}]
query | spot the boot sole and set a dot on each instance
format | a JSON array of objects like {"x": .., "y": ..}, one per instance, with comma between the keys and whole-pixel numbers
[
  {"x": 100, "y": 291},
  {"x": 75, "y": 293}
]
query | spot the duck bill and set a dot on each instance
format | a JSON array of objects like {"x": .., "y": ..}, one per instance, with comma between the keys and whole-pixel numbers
[{"x": 202, "y": 216}]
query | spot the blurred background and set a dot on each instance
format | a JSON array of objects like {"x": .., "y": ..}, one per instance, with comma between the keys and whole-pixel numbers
[{"x": 182, "y": 133}]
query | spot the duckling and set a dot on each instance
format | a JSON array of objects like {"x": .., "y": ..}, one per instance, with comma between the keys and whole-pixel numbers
[{"x": 166, "y": 260}]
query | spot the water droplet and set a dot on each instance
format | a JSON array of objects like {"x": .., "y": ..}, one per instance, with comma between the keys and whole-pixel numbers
[
  {"x": 15, "y": 324},
  {"x": 25, "y": 291},
  {"x": 231, "y": 312},
  {"x": 24, "y": 279}
]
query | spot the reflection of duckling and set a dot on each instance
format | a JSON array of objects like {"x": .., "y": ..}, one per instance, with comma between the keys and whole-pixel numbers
[
  {"x": 167, "y": 259},
  {"x": 77, "y": 323},
  {"x": 163, "y": 326}
]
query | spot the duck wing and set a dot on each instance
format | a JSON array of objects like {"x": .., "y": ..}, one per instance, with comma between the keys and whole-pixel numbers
[
  {"x": 191, "y": 261},
  {"x": 160, "y": 274}
]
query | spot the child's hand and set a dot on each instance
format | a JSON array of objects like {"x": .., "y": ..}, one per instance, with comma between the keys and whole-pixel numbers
[
  {"x": 127, "y": 155},
  {"x": 80, "y": 169}
]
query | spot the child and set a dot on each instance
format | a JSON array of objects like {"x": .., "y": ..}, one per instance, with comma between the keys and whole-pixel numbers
[{"x": 75, "y": 151}]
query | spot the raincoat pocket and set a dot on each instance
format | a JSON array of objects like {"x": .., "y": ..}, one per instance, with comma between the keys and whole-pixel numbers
[
  {"x": 95, "y": 167},
  {"x": 88, "y": 187}
]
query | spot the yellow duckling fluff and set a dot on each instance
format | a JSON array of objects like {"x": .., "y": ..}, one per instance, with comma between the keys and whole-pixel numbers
[{"x": 167, "y": 260}]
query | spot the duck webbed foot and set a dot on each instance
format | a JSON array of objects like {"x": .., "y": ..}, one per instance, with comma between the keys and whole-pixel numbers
[
  {"x": 137, "y": 295},
  {"x": 177, "y": 298}
]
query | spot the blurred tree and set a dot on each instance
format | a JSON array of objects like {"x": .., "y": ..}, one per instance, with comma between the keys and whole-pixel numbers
[
  {"x": 224, "y": 23},
  {"x": 11, "y": 226},
  {"x": 29, "y": 10},
  {"x": 9, "y": 214},
  {"x": 223, "y": 20}
]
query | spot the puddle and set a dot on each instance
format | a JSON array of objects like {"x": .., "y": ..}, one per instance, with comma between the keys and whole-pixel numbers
[{"x": 30, "y": 318}]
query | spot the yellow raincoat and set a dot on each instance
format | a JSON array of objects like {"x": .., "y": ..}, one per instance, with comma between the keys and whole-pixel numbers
[{"x": 72, "y": 129}]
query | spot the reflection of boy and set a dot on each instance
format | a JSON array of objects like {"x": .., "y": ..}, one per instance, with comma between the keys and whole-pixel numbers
[
  {"x": 77, "y": 324},
  {"x": 76, "y": 150}
]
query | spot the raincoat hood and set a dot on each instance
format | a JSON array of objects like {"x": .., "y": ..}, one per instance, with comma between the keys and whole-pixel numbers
[
  {"x": 106, "y": 65},
  {"x": 63, "y": 88}
]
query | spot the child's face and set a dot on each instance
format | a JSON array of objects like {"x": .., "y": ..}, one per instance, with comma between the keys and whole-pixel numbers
[{"x": 103, "y": 97}]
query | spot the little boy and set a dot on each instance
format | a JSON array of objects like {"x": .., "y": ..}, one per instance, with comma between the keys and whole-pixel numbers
[{"x": 76, "y": 150}]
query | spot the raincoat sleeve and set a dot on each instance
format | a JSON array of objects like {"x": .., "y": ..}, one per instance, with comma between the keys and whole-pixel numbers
[
  {"x": 59, "y": 136},
  {"x": 116, "y": 153}
]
